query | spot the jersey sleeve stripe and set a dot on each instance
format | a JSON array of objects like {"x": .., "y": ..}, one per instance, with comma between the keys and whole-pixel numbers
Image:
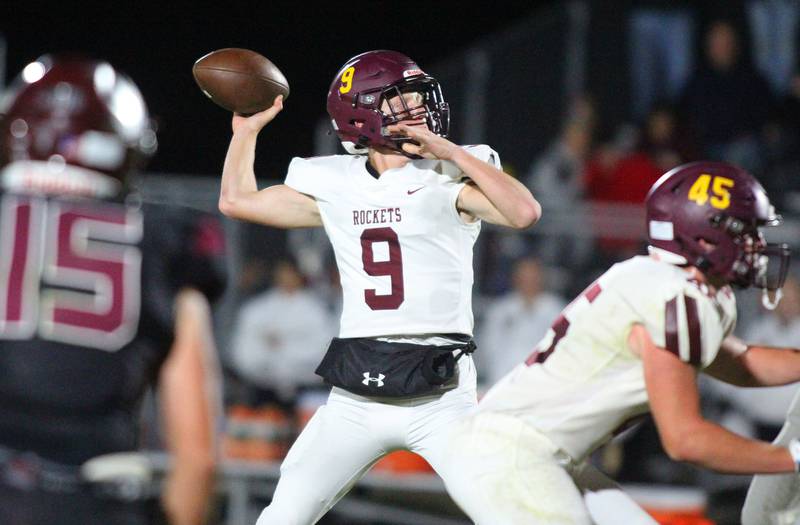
[
  {"x": 693, "y": 323},
  {"x": 671, "y": 327},
  {"x": 593, "y": 292}
]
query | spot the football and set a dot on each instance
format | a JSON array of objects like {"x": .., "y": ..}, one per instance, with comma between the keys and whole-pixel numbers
[{"x": 240, "y": 80}]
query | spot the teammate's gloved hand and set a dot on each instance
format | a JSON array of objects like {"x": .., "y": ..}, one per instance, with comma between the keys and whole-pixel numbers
[
  {"x": 256, "y": 121},
  {"x": 431, "y": 146}
]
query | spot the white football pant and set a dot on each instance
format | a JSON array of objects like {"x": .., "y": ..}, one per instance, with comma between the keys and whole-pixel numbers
[
  {"x": 774, "y": 499},
  {"x": 350, "y": 433},
  {"x": 504, "y": 472}
]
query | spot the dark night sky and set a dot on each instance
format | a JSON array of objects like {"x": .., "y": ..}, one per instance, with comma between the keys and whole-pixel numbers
[{"x": 308, "y": 41}]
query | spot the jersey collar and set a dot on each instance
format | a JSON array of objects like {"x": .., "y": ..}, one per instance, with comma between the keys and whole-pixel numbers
[{"x": 667, "y": 257}]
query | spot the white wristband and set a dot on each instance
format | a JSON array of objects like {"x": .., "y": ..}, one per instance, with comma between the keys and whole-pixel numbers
[
  {"x": 794, "y": 450},
  {"x": 735, "y": 346}
]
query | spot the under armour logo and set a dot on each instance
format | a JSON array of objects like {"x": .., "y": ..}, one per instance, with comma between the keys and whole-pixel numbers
[{"x": 368, "y": 379}]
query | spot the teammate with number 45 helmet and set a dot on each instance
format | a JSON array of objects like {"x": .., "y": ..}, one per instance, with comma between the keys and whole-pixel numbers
[
  {"x": 630, "y": 344},
  {"x": 101, "y": 298},
  {"x": 402, "y": 212},
  {"x": 709, "y": 214}
]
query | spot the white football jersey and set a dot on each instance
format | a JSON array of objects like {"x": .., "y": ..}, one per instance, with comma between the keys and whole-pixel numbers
[
  {"x": 403, "y": 252},
  {"x": 583, "y": 384}
]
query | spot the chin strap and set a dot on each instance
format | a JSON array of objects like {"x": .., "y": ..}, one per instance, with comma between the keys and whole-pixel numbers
[{"x": 771, "y": 298}]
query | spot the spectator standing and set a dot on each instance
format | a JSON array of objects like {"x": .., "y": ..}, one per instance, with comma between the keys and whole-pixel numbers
[
  {"x": 773, "y": 24},
  {"x": 280, "y": 337},
  {"x": 516, "y": 321},
  {"x": 726, "y": 103},
  {"x": 660, "y": 51},
  {"x": 557, "y": 176}
]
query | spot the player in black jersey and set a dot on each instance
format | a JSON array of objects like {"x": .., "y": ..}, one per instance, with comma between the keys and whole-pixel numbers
[{"x": 101, "y": 297}]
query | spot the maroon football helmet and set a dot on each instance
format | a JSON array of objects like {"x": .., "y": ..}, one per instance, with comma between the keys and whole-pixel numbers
[
  {"x": 723, "y": 206},
  {"x": 361, "y": 86},
  {"x": 67, "y": 119}
]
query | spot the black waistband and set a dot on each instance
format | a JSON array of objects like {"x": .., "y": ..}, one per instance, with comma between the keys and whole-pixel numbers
[
  {"x": 369, "y": 367},
  {"x": 461, "y": 342}
]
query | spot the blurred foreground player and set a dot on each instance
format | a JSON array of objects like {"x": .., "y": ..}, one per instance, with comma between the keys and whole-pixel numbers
[
  {"x": 100, "y": 298},
  {"x": 402, "y": 212},
  {"x": 634, "y": 342}
]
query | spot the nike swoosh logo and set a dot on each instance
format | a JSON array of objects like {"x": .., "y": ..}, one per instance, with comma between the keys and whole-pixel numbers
[{"x": 411, "y": 192}]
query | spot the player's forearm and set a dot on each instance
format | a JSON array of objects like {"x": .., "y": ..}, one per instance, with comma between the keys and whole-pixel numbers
[
  {"x": 190, "y": 404},
  {"x": 771, "y": 366},
  {"x": 188, "y": 490},
  {"x": 238, "y": 177},
  {"x": 712, "y": 446},
  {"x": 509, "y": 196}
]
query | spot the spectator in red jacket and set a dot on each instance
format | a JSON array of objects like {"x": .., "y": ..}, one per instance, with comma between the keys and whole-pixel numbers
[{"x": 617, "y": 174}]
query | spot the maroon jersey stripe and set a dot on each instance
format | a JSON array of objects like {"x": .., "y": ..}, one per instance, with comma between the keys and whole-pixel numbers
[
  {"x": 671, "y": 327},
  {"x": 592, "y": 293},
  {"x": 693, "y": 322}
]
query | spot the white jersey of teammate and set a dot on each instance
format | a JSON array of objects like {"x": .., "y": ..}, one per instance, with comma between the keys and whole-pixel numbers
[
  {"x": 583, "y": 383},
  {"x": 403, "y": 252}
]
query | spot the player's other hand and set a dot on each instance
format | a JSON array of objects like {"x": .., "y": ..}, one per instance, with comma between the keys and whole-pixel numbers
[
  {"x": 431, "y": 146},
  {"x": 256, "y": 121}
]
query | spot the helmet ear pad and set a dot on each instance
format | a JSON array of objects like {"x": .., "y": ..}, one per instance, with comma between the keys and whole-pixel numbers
[
  {"x": 363, "y": 122},
  {"x": 710, "y": 252}
]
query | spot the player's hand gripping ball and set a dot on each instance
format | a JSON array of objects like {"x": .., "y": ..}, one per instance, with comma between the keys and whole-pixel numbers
[{"x": 240, "y": 80}]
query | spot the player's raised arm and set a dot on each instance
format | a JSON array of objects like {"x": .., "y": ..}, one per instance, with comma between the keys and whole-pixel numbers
[
  {"x": 240, "y": 198},
  {"x": 685, "y": 434},
  {"x": 495, "y": 196}
]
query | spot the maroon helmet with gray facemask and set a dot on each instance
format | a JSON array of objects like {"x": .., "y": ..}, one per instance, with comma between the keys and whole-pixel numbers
[
  {"x": 72, "y": 125},
  {"x": 361, "y": 86},
  {"x": 709, "y": 213}
]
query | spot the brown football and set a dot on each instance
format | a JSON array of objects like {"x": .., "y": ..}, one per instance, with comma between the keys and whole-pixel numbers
[{"x": 240, "y": 80}]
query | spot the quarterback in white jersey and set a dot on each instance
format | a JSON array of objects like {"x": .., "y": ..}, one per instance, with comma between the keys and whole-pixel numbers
[
  {"x": 630, "y": 344},
  {"x": 402, "y": 212},
  {"x": 404, "y": 253}
]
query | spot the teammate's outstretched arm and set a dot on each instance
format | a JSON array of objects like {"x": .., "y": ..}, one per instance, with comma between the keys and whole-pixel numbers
[
  {"x": 750, "y": 365},
  {"x": 495, "y": 197},
  {"x": 685, "y": 434},
  {"x": 189, "y": 401},
  {"x": 239, "y": 198}
]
